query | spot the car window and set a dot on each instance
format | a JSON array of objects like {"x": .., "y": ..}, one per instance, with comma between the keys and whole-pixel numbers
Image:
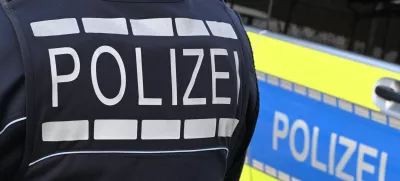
[{"x": 368, "y": 27}]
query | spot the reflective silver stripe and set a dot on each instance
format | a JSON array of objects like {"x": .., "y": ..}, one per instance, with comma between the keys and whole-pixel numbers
[
  {"x": 152, "y": 27},
  {"x": 161, "y": 129},
  {"x": 11, "y": 123},
  {"x": 55, "y": 27},
  {"x": 221, "y": 29},
  {"x": 191, "y": 27},
  {"x": 115, "y": 129},
  {"x": 140, "y": 27},
  {"x": 200, "y": 128},
  {"x": 129, "y": 152},
  {"x": 105, "y": 25},
  {"x": 65, "y": 131},
  {"x": 227, "y": 126}
]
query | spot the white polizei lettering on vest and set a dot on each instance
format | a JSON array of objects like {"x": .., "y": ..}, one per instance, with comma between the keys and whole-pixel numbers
[
  {"x": 55, "y": 78},
  {"x": 200, "y": 128},
  {"x": 351, "y": 148},
  {"x": 191, "y": 27},
  {"x": 193, "y": 101},
  {"x": 65, "y": 131},
  {"x": 221, "y": 29},
  {"x": 55, "y": 27},
  {"x": 115, "y": 129},
  {"x": 152, "y": 27},
  {"x": 121, "y": 66},
  {"x": 139, "y": 67},
  {"x": 218, "y": 75},
  {"x": 173, "y": 78},
  {"x": 362, "y": 165},
  {"x": 161, "y": 129},
  {"x": 235, "y": 53},
  {"x": 227, "y": 126},
  {"x": 105, "y": 25}
]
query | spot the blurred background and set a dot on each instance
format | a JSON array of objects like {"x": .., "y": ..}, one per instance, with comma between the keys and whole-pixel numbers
[
  {"x": 329, "y": 82},
  {"x": 368, "y": 27}
]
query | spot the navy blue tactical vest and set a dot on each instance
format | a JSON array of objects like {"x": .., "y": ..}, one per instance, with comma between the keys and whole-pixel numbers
[{"x": 132, "y": 90}]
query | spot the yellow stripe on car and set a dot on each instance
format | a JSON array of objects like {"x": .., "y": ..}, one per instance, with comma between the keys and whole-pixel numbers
[
  {"x": 343, "y": 78},
  {"x": 252, "y": 174}
]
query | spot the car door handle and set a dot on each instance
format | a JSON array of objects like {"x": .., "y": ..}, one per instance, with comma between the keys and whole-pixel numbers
[
  {"x": 386, "y": 96},
  {"x": 387, "y": 93}
]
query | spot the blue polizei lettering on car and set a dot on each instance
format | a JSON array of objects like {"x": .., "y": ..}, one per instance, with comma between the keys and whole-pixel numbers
[{"x": 312, "y": 140}]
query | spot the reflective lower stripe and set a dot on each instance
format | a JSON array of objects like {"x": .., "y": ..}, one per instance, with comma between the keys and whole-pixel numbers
[
  {"x": 126, "y": 129},
  {"x": 55, "y": 27},
  {"x": 200, "y": 128},
  {"x": 130, "y": 152},
  {"x": 161, "y": 129},
  {"x": 105, "y": 25},
  {"x": 191, "y": 27},
  {"x": 227, "y": 126},
  {"x": 152, "y": 27},
  {"x": 65, "y": 131},
  {"x": 11, "y": 123},
  {"x": 114, "y": 129},
  {"x": 221, "y": 29}
]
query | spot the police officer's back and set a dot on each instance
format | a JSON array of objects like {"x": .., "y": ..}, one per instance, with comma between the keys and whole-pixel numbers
[{"x": 125, "y": 90}]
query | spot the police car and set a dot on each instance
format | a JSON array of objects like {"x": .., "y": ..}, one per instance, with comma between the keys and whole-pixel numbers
[{"x": 325, "y": 114}]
